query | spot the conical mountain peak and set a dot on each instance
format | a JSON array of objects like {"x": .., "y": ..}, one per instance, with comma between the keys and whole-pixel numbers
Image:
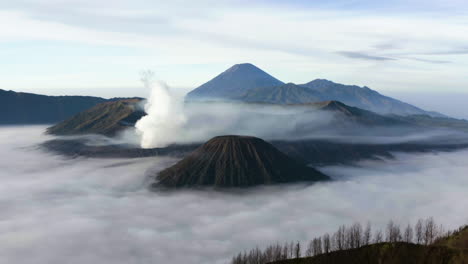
[
  {"x": 236, "y": 161},
  {"x": 234, "y": 82}
]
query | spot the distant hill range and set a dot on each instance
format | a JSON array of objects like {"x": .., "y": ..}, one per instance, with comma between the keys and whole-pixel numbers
[
  {"x": 106, "y": 118},
  {"x": 247, "y": 83},
  {"x": 29, "y": 108}
]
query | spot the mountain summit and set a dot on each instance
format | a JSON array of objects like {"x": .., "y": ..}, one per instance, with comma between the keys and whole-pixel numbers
[
  {"x": 234, "y": 82},
  {"x": 236, "y": 161}
]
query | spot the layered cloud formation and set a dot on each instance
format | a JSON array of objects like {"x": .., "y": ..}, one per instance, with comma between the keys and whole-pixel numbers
[
  {"x": 57, "y": 210},
  {"x": 396, "y": 45}
]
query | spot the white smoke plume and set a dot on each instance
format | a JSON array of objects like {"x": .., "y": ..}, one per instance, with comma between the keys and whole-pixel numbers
[{"x": 165, "y": 117}]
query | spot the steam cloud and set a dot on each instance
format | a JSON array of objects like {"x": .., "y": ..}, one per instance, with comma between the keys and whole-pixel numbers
[
  {"x": 57, "y": 210},
  {"x": 164, "y": 119}
]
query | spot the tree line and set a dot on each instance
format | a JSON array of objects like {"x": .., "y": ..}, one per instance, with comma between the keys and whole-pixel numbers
[{"x": 424, "y": 232}]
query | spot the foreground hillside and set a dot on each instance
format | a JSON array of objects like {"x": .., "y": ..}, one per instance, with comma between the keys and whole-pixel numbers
[
  {"x": 387, "y": 253},
  {"x": 28, "y": 108},
  {"x": 426, "y": 243}
]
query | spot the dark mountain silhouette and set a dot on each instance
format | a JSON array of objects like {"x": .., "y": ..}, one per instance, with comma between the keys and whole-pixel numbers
[
  {"x": 236, "y": 161},
  {"x": 105, "y": 118},
  {"x": 363, "y": 97},
  {"x": 28, "y": 108},
  {"x": 233, "y": 82}
]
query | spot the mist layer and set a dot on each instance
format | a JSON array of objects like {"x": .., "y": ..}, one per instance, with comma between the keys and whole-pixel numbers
[{"x": 57, "y": 210}]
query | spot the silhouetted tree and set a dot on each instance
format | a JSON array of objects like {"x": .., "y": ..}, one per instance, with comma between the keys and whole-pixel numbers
[
  {"x": 408, "y": 234},
  {"x": 310, "y": 249},
  {"x": 393, "y": 232},
  {"x": 430, "y": 231},
  {"x": 378, "y": 237},
  {"x": 326, "y": 243},
  {"x": 366, "y": 237},
  {"x": 297, "y": 250},
  {"x": 426, "y": 231},
  {"x": 317, "y": 246},
  {"x": 418, "y": 228}
]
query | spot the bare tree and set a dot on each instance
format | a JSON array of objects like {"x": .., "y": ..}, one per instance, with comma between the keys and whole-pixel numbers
[
  {"x": 408, "y": 234},
  {"x": 291, "y": 249},
  {"x": 317, "y": 246},
  {"x": 340, "y": 238},
  {"x": 286, "y": 251},
  {"x": 430, "y": 231},
  {"x": 418, "y": 228},
  {"x": 378, "y": 237},
  {"x": 356, "y": 235},
  {"x": 366, "y": 237},
  {"x": 310, "y": 249},
  {"x": 297, "y": 250},
  {"x": 393, "y": 232},
  {"x": 326, "y": 243}
]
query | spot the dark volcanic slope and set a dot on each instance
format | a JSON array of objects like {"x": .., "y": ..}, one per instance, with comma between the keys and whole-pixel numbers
[
  {"x": 106, "y": 118},
  {"x": 236, "y": 161}
]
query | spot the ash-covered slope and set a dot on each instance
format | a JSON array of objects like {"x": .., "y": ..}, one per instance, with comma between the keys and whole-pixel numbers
[
  {"x": 236, "y": 161},
  {"x": 106, "y": 118}
]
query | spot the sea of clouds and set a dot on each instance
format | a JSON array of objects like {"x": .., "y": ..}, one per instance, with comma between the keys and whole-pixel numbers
[{"x": 60, "y": 210}]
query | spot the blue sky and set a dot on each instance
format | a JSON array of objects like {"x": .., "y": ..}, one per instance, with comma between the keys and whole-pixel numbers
[{"x": 99, "y": 47}]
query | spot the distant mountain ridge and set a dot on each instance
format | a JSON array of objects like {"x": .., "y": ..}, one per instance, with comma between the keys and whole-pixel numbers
[
  {"x": 247, "y": 83},
  {"x": 29, "y": 108},
  {"x": 363, "y": 97},
  {"x": 17, "y": 108}
]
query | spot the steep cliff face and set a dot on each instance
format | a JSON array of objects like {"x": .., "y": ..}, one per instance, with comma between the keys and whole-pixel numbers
[{"x": 236, "y": 161}]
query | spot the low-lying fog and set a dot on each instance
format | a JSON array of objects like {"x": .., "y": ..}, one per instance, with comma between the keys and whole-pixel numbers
[{"x": 59, "y": 210}]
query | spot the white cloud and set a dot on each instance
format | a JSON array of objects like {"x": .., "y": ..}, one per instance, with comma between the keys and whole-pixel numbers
[
  {"x": 189, "y": 43},
  {"x": 57, "y": 210}
]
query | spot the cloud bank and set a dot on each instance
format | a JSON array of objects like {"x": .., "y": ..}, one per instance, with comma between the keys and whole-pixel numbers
[{"x": 57, "y": 210}]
